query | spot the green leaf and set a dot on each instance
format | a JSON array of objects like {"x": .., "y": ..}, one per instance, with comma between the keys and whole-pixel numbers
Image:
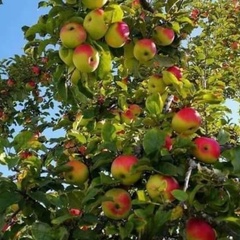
[
  {"x": 180, "y": 195},
  {"x": 235, "y": 153},
  {"x": 160, "y": 218},
  {"x": 21, "y": 140},
  {"x": 125, "y": 231},
  {"x": 113, "y": 13},
  {"x": 80, "y": 137},
  {"x": 108, "y": 132},
  {"x": 223, "y": 136},
  {"x": 154, "y": 104},
  {"x": 61, "y": 219},
  {"x": 7, "y": 199},
  {"x": 42, "y": 231}
]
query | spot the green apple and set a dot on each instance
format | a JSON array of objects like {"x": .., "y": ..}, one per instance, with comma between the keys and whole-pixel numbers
[
  {"x": 144, "y": 50},
  {"x": 199, "y": 229},
  {"x": 86, "y": 58},
  {"x": 78, "y": 174},
  {"x": 72, "y": 34},
  {"x": 66, "y": 55},
  {"x": 117, "y": 34},
  {"x": 95, "y": 24},
  {"x": 119, "y": 205},
  {"x": 75, "y": 75},
  {"x": 159, "y": 188},
  {"x": 156, "y": 84},
  {"x": 93, "y": 4},
  {"x": 121, "y": 169},
  {"x": 206, "y": 149},
  {"x": 163, "y": 36},
  {"x": 186, "y": 121}
]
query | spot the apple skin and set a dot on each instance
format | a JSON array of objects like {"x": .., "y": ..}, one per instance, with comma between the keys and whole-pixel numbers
[
  {"x": 121, "y": 169},
  {"x": 117, "y": 34},
  {"x": 144, "y": 50},
  {"x": 93, "y": 4},
  {"x": 176, "y": 71},
  {"x": 155, "y": 84},
  {"x": 159, "y": 188},
  {"x": 86, "y": 58},
  {"x": 79, "y": 173},
  {"x": 199, "y": 229},
  {"x": 95, "y": 24},
  {"x": 206, "y": 149},
  {"x": 186, "y": 121},
  {"x": 163, "y": 36},
  {"x": 66, "y": 55},
  {"x": 119, "y": 207},
  {"x": 72, "y": 34}
]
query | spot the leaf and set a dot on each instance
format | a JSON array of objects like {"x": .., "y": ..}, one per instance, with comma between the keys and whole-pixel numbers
[
  {"x": 180, "y": 195},
  {"x": 154, "y": 104},
  {"x": 61, "y": 219},
  {"x": 80, "y": 137},
  {"x": 7, "y": 199},
  {"x": 42, "y": 231},
  {"x": 108, "y": 132},
  {"x": 160, "y": 218},
  {"x": 125, "y": 231},
  {"x": 21, "y": 140},
  {"x": 223, "y": 136},
  {"x": 235, "y": 153},
  {"x": 113, "y": 13}
]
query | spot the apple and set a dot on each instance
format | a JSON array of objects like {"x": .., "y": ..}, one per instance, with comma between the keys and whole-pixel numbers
[
  {"x": 168, "y": 143},
  {"x": 156, "y": 84},
  {"x": 127, "y": 116},
  {"x": 75, "y": 212},
  {"x": 75, "y": 76},
  {"x": 119, "y": 206},
  {"x": 86, "y": 58},
  {"x": 93, "y": 4},
  {"x": 234, "y": 45},
  {"x": 66, "y": 55},
  {"x": 163, "y": 36},
  {"x": 78, "y": 174},
  {"x": 135, "y": 109},
  {"x": 144, "y": 50},
  {"x": 176, "y": 71},
  {"x": 11, "y": 82},
  {"x": 206, "y": 149},
  {"x": 199, "y": 229},
  {"x": 186, "y": 121},
  {"x": 121, "y": 169},
  {"x": 72, "y": 34},
  {"x": 195, "y": 14},
  {"x": 35, "y": 70},
  {"x": 159, "y": 188},
  {"x": 95, "y": 24},
  {"x": 30, "y": 85},
  {"x": 117, "y": 34}
]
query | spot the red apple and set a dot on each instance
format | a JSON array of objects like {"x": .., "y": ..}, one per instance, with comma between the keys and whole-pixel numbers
[
  {"x": 121, "y": 169},
  {"x": 75, "y": 212},
  {"x": 206, "y": 149},
  {"x": 119, "y": 205},
  {"x": 30, "y": 85},
  {"x": 159, "y": 188},
  {"x": 163, "y": 36},
  {"x": 199, "y": 229},
  {"x": 11, "y": 82},
  {"x": 176, "y": 71},
  {"x": 36, "y": 70},
  {"x": 168, "y": 143},
  {"x": 135, "y": 109},
  {"x": 186, "y": 121}
]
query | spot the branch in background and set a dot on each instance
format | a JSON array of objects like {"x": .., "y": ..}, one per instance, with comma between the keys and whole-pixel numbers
[
  {"x": 146, "y": 5},
  {"x": 168, "y": 103},
  {"x": 192, "y": 165}
]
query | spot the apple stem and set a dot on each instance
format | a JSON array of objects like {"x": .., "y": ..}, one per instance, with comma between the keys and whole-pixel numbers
[{"x": 192, "y": 165}]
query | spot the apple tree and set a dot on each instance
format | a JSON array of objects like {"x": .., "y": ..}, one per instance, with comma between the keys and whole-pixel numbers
[{"x": 114, "y": 125}]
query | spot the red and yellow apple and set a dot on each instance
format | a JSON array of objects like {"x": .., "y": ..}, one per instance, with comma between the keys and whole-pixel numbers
[
  {"x": 156, "y": 84},
  {"x": 78, "y": 174},
  {"x": 121, "y": 169},
  {"x": 72, "y": 34},
  {"x": 168, "y": 143},
  {"x": 117, "y": 34},
  {"x": 144, "y": 49},
  {"x": 131, "y": 113},
  {"x": 119, "y": 205},
  {"x": 206, "y": 149},
  {"x": 186, "y": 121},
  {"x": 86, "y": 58},
  {"x": 163, "y": 36},
  {"x": 159, "y": 188},
  {"x": 93, "y": 4},
  {"x": 199, "y": 229}
]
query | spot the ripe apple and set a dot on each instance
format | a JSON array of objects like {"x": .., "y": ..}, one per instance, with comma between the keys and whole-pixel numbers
[
  {"x": 206, "y": 149},
  {"x": 72, "y": 34},
  {"x": 86, "y": 58},
  {"x": 78, "y": 174},
  {"x": 11, "y": 82},
  {"x": 93, "y": 4},
  {"x": 176, "y": 71},
  {"x": 30, "y": 85},
  {"x": 75, "y": 212},
  {"x": 168, "y": 143},
  {"x": 144, "y": 50},
  {"x": 155, "y": 84},
  {"x": 35, "y": 70},
  {"x": 135, "y": 109},
  {"x": 234, "y": 45},
  {"x": 120, "y": 204},
  {"x": 95, "y": 24},
  {"x": 127, "y": 116},
  {"x": 117, "y": 34},
  {"x": 186, "y": 121},
  {"x": 199, "y": 229},
  {"x": 163, "y": 36},
  {"x": 121, "y": 169},
  {"x": 159, "y": 187},
  {"x": 66, "y": 55}
]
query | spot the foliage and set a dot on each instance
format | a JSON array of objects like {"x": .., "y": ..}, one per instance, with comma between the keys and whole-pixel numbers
[{"x": 53, "y": 120}]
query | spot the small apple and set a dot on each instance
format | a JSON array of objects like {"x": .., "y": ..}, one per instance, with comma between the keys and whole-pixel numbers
[
  {"x": 176, "y": 71},
  {"x": 119, "y": 206},
  {"x": 75, "y": 212},
  {"x": 135, "y": 109},
  {"x": 168, "y": 143},
  {"x": 95, "y": 24},
  {"x": 66, "y": 55},
  {"x": 30, "y": 85},
  {"x": 186, "y": 121},
  {"x": 159, "y": 188},
  {"x": 86, "y": 58},
  {"x": 121, "y": 169},
  {"x": 117, "y": 34},
  {"x": 163, "y": 36},
  {"x": 35, "y": 70},
  {"x": 206, "y": 149},
  {"x": 234, "y": 45},
  {"x": 11, "y": 82},
  {"x": 195, "y": 14},
  {"x": 93, "y": 4},
  {"x": 72, "y": 34},
  {"x": 199, "y": 229},
  {"x": 78, "y": 174},
  {"x": 155, "y": 84},
  {"x": 144, "y": 50},
  {"x": 127, "y": 116}
]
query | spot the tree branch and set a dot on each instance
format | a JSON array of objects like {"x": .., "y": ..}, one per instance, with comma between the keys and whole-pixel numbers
[{"x": 146, "y": 5}]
